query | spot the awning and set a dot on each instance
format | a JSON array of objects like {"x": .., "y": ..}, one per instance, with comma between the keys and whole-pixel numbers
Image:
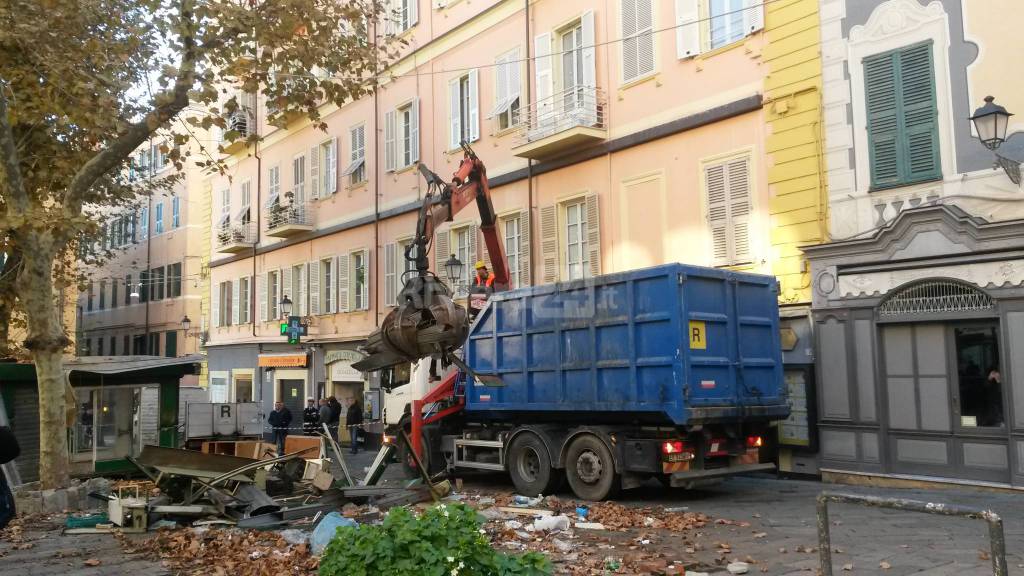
[
  {"x": 353, "y": 167},
  {"x": 124, "y": 364},
  {"x": 286, "y": 360},
  {"x": 502, "y": 105}
]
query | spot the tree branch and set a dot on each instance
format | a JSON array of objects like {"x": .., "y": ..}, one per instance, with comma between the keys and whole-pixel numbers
[
  {"x": 167, "y": 105},
  {"x": 12, "y": 165}
]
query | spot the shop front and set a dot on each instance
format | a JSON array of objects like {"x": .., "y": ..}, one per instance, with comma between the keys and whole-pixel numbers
[{"x": 917, "y": 328}]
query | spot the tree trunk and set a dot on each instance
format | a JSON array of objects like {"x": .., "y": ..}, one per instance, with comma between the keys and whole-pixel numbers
[{"x": 46, "y": 342}]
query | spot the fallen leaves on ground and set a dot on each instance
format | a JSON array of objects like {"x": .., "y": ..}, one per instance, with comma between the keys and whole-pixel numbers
[
  {"x": 226, "y": 552},
  {"x": 848, "y": 566},
  {"x": 884, "y": 565},
  {"x": 92, "y": 562}
]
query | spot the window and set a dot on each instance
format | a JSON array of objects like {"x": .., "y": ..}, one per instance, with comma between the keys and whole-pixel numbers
[
  {"x": 507, "y": 86},
  {"x": 224, "y": 310},
  {"x": 902, "y": 117},
  {"x": 464, "y": 252},
  {"x": 103, "y": 294},
  {"x": 128, "y": 289},
  {"x": 126, "y": 345},
  {"x": 726, "y": 22},
  {"x": 403, "y": 14},
  {"x": 171, "y": 343},
  {"x": 144, "y": 286},
  {"x": 244, "y": 293},
  {"x": 89, "y": 296},
  {"x": 244, "y": 214},
  {"x": 637, "y": 39},
  {"x": 158, "y": 225},
  {"x": 356, "y": 170},
  {"x": 113, "y": 345},
  {"x": 572, "y": 67},
  {"x": 727, "y": 185},
  {"x": 327, "y": 287},
  {"x": 577, "y": 255},
  {"x": 154, "y": 344},
  {"x": 397, "y": 271},
  {"x": 273, "y": 312},
  {"x": 159, "y": 156},
  {"x": 113, "y": 294},
  {"x": 360, "y": 289},
  {"x": 512, "y": 243},
  {"x": 464, "y": 111},
  {"x": 87, "y": 349},
  {"x": 144, "y": 222},
  {"x": 131, "y": 227},
  {"x": 402, "y": 136},
  {"x": 329, "y": 167},
  {"x": 139, "y": 345},
  {"x": 273, "y": 185},
  {"x": 174, "y": 280},
  {"x": 99, "y": 346},
  {"x": 299, "y": 179},
  {"x": 156, "y": 284},
  {"x": 979, "y": 376},
  {"x": 175, "y": 212}
]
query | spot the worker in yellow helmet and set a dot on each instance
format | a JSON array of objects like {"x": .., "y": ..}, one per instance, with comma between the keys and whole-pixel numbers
[{"x": 484, "y": 278}]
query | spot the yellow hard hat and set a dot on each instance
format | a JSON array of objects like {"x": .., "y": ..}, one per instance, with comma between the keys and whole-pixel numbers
[{"x": 480, "y": 264}]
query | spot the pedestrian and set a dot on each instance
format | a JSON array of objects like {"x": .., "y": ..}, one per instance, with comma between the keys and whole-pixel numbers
[
  {"x": 325, "y": 414},
  {"x": 354, "y": 421},
  {"x": 335, "y": 416},
  {"x": 310, "y": 418},
  {"x": 9, "y": 450},
  {"x": 280, "y": 419}
]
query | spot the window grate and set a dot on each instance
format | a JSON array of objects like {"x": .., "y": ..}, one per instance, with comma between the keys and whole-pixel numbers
[{"x": 935, "y": 296}]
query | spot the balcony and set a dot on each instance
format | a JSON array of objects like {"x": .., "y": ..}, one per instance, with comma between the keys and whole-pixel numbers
[
  {"x": 243, "y": 122},
  {"x": 287, "y": 218},
  {"x": 566, "y": 121},
  {"x": 236, "y": 237}
]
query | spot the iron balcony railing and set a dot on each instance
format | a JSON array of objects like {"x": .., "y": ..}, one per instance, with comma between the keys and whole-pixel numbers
[
  {"x": 288, "y": 212},
  {"x": 580, "y": 106},
  {"x": 239, "y": 231}
]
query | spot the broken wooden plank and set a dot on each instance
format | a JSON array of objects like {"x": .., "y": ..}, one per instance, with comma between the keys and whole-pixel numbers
[{"x": 525, "y": 511}]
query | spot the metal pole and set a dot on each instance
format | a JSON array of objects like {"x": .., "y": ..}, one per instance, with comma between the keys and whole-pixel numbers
[
  {"x": 824, "y": 538},
  {"x": 998, "y": 543}
]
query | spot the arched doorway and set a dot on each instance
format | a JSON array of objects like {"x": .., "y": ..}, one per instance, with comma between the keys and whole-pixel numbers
[{"x": 942, "y": 376}]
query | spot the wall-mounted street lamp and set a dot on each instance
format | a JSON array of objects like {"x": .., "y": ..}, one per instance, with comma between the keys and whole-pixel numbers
[
  {"x": 453, "y": 269},
  {"x": 286, "y": 306},
  {"x": 135, "y": 291},
  {"x": 991, "y": 121}
]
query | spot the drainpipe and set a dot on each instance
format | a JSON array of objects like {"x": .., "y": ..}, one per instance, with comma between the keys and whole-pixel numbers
[
  {"x": 529, "y": 161},
  {"x": 149, "y": 253},
  {"x": 376, "y": 174}
]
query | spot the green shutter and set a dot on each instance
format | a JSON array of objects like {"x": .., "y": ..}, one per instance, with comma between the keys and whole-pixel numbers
[{"x": 903, "y": 140}]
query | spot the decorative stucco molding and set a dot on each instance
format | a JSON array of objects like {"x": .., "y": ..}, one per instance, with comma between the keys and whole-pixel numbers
[
  {"x": 983, "y": 275},
  {"x": 896, "y": 17}
]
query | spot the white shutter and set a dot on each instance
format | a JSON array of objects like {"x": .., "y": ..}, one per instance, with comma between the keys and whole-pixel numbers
[
  {"x": 753, "y": 16},
  {"x": 314, "y": 172},
  {"x": 739, "y": 208},
  {"x": 333, "y": 288},
  {"x": 287, "y": 289},
  {"x": 332, "y": 169},
  {"x": 441, "y": 251},
  {"x": 593, "y": 235},
  {"x": 542, "y": 72},
  {"x": 234, "y": 301},
  {"x": 481, "y": 244},
  {"x": 549, "y": 243},
  {"x": 414, "y": 12},
  {"x": 524, "y": 247},
  {"x": 414, "y": 131},
  {"x": 390, "y": 151},
  {"x": 502, "y": 73},
  {"x": 589, "y": 68},
  {"x": 264, "y": 305},
  {"x": 390, "y": 272},
  {"x": 344, "y": 305},
  {"x": 303, "y": 290},
  {"x": 474, "y": 105},
  {"x": 215, "y": 305},
  {"x": 277, "y": 297},
  {"x": 367, "y": 276},
  {"x": 687, "y": 28},
  {"x": 630, "y": 63},
  {"x": 314, "y": 288},
  {"x": 718, "y": 212},
  {"x": 455, "y": 125},
  {"x": 514, "y": 70},
  {"x": 474, "y": 251},
  {"x": 646, "y": 39}
]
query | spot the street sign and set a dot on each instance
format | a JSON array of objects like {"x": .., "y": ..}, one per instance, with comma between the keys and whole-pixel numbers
[{"x": 294, "y": 329}]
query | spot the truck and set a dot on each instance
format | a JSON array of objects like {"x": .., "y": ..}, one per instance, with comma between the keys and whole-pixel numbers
[{"x": 671, "y": 372}]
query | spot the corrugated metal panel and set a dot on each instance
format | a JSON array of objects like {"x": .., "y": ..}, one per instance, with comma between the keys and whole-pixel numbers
[{"x": 25, "y": 424}]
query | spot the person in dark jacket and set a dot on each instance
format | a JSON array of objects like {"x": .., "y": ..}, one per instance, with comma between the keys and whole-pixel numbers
[
  {"x": 325, "y": 413},
  {"x": 335, "y": 415},
  {"x": 353, "y": 419},
  {"x": 310, "y": 418},
  {"x": 280, "y": 419},
  {"x": 9, "y": 450}
]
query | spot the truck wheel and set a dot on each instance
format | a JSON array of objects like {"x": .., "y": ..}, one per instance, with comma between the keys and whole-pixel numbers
[
  {"x": 405, "y": 457},
  {"x": 590, "y": 469},
  {"x": 530, "y": 466}
]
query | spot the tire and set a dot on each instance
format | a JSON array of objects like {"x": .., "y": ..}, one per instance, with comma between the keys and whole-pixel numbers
[
  {"x": 409, "y": 468},
  {"x": 590, "y": 469},
  {"x": 529, "y": 465}
]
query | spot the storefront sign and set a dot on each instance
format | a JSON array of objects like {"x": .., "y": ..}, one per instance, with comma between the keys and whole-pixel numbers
[
  {"x": 282, "y": 360},
  {"x": 340, "y": 363}
]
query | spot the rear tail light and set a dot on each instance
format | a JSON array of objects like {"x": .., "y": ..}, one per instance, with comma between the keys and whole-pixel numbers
[
  {"x": 755, "y": 441},
  {"x": 672, "y": 447}
]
